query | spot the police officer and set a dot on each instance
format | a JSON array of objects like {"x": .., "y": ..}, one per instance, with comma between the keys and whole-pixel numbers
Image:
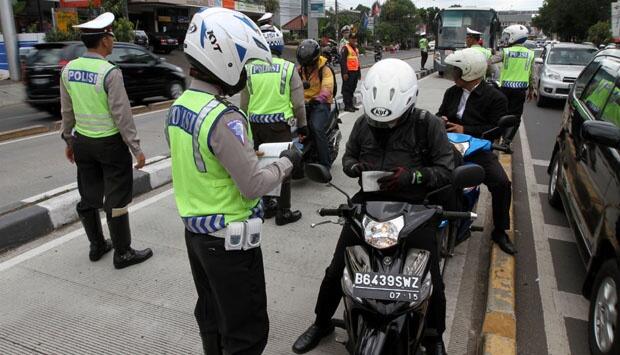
[
  {"x": 99, "y": 130},
  {"x": 345, "y": 32},
  {"x": 423, "y": 44},
  {"x": 218, "y": 184},
  {"x": 516, "y": 74},
  {"x": 274, "y": 100},
  {"x": 350, "y": 71},
  {"x": 472, "y": 40}
]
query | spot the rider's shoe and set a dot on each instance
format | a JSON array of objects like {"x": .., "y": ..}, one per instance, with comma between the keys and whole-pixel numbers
[
  {"x": 311, "y": 338},
  {"x": 501, "y": 238},
  {"x": 286, "y": 216}
]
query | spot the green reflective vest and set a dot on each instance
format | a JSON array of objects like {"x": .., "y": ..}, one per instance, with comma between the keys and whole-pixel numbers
[
  {"x": 517, "y": 66},
  {"x": 597, "y": 98},
  {"x": 485, "y": 51},
  {"x": 84, "y": 79},
  {"x": 423, "y": 44},
  {"x": 270, "y": 91},
  {"x": 206, "y": 196}
]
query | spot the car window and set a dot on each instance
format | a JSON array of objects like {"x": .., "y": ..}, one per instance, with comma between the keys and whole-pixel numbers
[
  {"x": 596, "y": 93},
  {"x": 122, "y": 55},
  {"x": 586, "y": 75},
  {"x": 46, "y": 56},
  {"x": 611, "y": 113},
  {"x": 570, "y": 56},
  {"x": 118, "y": 55}
]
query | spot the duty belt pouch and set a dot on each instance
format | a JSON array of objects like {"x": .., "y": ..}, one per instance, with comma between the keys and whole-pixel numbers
[
  {"x": 252, "y": 233},
  {"x": 235, "y": 236}
]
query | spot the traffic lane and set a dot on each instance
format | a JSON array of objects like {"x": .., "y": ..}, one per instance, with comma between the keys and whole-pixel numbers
[
  {"x": 549, "y": 270},
  {"x": 23, "y": 115},
  {"x": 37, "y": 164},
  {"x": 160, "y": 292}
]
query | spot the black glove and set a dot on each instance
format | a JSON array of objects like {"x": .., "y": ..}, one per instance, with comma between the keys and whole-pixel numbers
[
  {"x": 294, "y": 155},
  {"x": 302, "y": 131},
  {"x": 356, "y": 169},
  {"x": 401, "y": 178}
]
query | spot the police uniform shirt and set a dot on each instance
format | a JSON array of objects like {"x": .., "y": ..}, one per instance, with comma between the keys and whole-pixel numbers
[
  {"x": 499, "y": 57},
  {"x": 118, "y": 103}
]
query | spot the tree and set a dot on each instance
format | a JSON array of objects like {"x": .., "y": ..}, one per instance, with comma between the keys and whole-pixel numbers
[
  {"x": 456, "y": 5},
  {"x": 271, "y": 5},
  {"x": 599, "y": 33},
  {"x": 398, "y": 22},
  {"x": 571, "y": 19}
]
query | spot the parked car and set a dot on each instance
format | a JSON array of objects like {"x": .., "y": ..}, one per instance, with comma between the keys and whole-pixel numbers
[
  {"x": 144, "y": 74},
  {"x": 140, "y": 38},
  {"x": 163, "y": 42},
  {"x": 431, "y": 45},
  {"x": 585, "y": 182},
  {"x": 557, "y": 68}
]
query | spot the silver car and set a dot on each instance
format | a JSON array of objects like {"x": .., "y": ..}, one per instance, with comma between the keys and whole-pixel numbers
[{"x": 557, "y": 69}]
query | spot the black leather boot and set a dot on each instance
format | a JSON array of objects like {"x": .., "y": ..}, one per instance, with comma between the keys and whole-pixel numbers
[
  {"x": 501, "y": 238},
  {"x": 311, "y": 338},
  {"x": 435, "y": 348},
  {"x": 120, "y": 233},
  {"x": 286, "y": 216},
  {"x": 211, "y": 344},
  {"x": 92, "y": 226},
  {"x": 270, "y": 207}
]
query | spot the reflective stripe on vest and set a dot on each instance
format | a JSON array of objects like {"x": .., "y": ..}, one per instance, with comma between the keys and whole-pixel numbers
[
  {"x": 84, "y": 79},
  {"x": 267, "y": 105},
  {"x": 206, "y": 196},
  {"x": 517, "y": 65},
  {"x": 353, "y": 63}
]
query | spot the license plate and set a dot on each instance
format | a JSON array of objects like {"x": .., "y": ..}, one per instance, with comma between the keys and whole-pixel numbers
[
  {"x": 386, "y": 287},
  {"x": 40, "y": 81}
]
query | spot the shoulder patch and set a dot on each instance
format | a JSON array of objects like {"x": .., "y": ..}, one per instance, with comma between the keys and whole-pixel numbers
[{"x": 237, "y": 128}]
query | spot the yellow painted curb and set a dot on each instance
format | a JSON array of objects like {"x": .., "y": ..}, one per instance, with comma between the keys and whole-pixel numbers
[
  {"x": 23, "y": 132},
  {"x": 498, "y": 345}
]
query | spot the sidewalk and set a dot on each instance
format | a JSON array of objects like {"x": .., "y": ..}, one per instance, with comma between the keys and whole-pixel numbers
[{"x": 11, "y": 92}]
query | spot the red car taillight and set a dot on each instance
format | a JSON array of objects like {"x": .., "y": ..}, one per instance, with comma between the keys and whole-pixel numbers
[{"x": 163, "y": 41}]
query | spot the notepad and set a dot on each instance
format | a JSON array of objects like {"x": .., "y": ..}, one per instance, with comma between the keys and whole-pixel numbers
[
  {"x": 369, "y": 179},
  {"x": 271, "y": 153}
]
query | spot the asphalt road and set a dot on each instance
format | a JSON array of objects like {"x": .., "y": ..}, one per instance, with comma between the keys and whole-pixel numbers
[
  {"x": 49, "y": 284},
  {"x": 551, "y": 313}
]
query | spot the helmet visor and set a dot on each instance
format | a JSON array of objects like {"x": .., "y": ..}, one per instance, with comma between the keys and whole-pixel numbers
[{"x": 452, "y": 72}]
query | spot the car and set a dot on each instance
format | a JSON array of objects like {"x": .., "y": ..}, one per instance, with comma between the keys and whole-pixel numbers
[
  {"x": 163, "y": 42},
  {"x": 144, "y": 74},
  {"x": 557, "y": 68},
  {"x": 584, "y": 181},
  {"x": 431, "y": 45},
  {"x": 140, "y": 38}
]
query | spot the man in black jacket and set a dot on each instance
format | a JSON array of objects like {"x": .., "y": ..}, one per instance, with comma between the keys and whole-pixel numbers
[
  {"x": 412, "y": 144},
  {"x": 474, "y": 107}
]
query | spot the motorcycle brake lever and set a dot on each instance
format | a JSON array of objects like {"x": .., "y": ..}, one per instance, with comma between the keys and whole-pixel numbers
[{"x": 339, "y": 221}]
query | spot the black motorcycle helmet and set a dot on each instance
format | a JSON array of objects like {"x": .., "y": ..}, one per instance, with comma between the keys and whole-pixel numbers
[{"x": 308, "y": 52}]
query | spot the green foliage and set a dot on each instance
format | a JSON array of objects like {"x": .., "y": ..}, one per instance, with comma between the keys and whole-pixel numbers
[
  {"x": 397, "y": 23},
  {"x": 18, "y": 6},
  {"x": 427, "y": 16},
  {"x": 61, "y": 36},
  {"x": 113, "y": 6},
  {"x": 600, "y": 33},
  {"x": 271, "y": 5},
  {"x": 571, "y": 19},
  {"x": 123, "y": 30}
]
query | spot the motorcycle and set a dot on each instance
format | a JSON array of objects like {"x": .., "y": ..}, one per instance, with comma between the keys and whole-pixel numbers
[
  {"x": 386, "y": 282},
  {"x": 467, "y": 146},
  {"x": 308, "y": 145},
  {"x": 378, "y": 54}
]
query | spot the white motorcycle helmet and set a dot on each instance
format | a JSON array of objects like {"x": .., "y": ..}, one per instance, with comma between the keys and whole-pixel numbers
[
  {"x": 221, "y": 41},
  {"x": 389, "y": 90},
  {"x": 468, "y": 64},
  {"x": 274, "y": 38},
  {"x": 514, "y": 34}
]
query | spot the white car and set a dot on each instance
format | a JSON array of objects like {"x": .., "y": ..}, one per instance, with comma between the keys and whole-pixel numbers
[
  {"x": 431, "y": 45},
  {"x": 557, "y": 69}
]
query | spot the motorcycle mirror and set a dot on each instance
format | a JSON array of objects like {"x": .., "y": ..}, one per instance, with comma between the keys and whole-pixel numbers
[
  {"x": 318, "y": 173},
  {"x": 467, "y": 175}
]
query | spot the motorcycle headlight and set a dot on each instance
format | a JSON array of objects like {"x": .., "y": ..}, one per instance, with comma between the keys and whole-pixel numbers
[
  {"x": 382, "y": 235},
  {"x": 553, "y": 75}
]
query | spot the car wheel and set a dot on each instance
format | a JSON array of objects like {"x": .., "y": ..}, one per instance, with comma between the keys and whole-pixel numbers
[
  {"x": 541, "y": 101},
  {"x": 554, "y": 178},
  {"x": 604, "y": 322},
  {"x": 175, "y": 89}
]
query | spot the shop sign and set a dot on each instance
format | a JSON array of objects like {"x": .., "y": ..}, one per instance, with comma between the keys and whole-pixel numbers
[
  {"x": 80, "y": 3},
  {"x": 249, "y": 7}
]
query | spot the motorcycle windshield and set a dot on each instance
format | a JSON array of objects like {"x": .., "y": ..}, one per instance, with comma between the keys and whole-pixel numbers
[{"x": 468, "y": 145}]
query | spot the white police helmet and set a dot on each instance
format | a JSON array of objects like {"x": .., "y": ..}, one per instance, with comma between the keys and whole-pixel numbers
[
  {"x": 274, "y": 38},
  {"x": 468, "y": 64},
  {"x": 514, "y": 34},
  {"x": 222, "y": 41},
  {"x": 388, "y": 91}
]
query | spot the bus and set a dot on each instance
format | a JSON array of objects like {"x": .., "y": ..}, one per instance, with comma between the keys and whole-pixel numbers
[{"x": 451, "y": 27}]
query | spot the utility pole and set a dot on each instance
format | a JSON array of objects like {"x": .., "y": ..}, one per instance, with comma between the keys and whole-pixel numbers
[
  {"x": 337, "y": 28},
  {"x": 10, "y": 38},
  {"x": 125, "y": 9}
]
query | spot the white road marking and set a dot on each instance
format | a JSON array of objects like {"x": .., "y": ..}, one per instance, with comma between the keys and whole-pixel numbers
[
  {"x": 72, "y": 235},
  {"x": 560, "y": 233},
  {"x": 572, "y": 305},
  {"x": 540, "y": 162},
  {"x": 555, "y": 329}
]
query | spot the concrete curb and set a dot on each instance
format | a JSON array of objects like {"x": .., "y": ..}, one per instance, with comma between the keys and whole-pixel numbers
[
  {"x": 39, "y": 215},
  {"x": 499, "y": 330}
]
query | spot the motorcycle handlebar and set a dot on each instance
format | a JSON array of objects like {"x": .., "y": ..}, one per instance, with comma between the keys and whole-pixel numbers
[
  {"x": 329, "y": 212},
  {"x": 459, "y": 215}
]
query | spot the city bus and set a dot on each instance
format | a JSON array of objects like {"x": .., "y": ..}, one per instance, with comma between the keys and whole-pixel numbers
[{"x": 451, "y": 27}]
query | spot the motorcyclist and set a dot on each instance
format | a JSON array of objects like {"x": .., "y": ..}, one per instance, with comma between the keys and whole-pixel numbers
[
  {"x": 272, "y": 113},
  {"x": 473, "y": 107},
  {"x": 319, "y": 84},
  {"x": 390, "y": 136}
]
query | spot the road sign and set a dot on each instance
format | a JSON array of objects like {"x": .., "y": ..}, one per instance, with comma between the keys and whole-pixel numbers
[{"x": 317, "y": 8}]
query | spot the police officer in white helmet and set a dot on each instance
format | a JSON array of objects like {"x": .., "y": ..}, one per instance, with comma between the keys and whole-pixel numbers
[{"x": 218, "y": 184}]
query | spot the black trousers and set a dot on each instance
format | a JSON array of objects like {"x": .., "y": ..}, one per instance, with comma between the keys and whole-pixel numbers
[
  {"x": 231, "y": 310},
  {"x": 330, "y": 292},
  {"x": 499, "y": 186},
  {"x": 424, "y": 58},
  {"x": 348, "y": 88},
  {"x": 516, "y": 99},
  {"x": 104, "y": 173},
  {"x": 275, "y": 133}
]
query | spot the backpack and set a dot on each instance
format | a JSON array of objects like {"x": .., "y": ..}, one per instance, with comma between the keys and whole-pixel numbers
[{"x": 421, "y": 138}]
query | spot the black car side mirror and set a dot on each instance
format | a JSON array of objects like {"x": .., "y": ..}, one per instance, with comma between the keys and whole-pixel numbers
[
  {"x": 601, "y": 132},
  {"x": 318, "y": 173},
  {"x": 467, "y": 175}
]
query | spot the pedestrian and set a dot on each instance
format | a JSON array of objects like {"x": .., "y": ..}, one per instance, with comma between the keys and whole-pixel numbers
[
  {"x": 423, "y": 44},
  {"x": 95, "y": 106},
  {"x": 376, "y": 143},
  {"x": 272, "y": 112},
  {"x": 218, "y": 183},
  {"x": 473, "y": 107},
  {"x": 350, "y": 71},
  {"x": 516, "y": 74}
]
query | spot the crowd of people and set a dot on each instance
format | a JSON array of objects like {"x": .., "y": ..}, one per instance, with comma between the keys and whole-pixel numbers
[{"x": 220, "y": 187}]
